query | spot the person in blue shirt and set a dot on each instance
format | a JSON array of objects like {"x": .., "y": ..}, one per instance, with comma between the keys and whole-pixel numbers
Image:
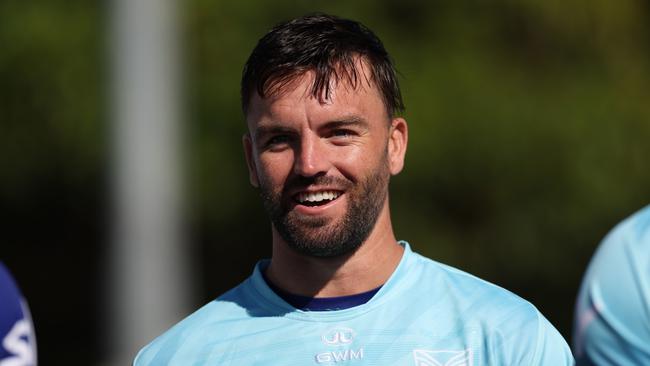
[
  {"x": 17, "y": 340},
  {"x": 612, "y": 319},
  {"x": 321, "y": 101}
]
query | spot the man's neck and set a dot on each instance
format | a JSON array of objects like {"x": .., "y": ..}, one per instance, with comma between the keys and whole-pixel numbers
[{"x": 367, "y": 268}]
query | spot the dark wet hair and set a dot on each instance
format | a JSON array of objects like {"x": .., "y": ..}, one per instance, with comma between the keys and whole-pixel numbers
[{"x": 327, "y": 45}]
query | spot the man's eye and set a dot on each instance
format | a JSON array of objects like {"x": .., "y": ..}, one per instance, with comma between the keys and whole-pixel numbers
[
  {"x": 342, "y": 133},
  {"x": 277, "y": 140}
]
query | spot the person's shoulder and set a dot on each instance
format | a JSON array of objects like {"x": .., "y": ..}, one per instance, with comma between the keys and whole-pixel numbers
[
  {"x": 512, "y": 325},
  {"x": 611, "y": 310},
  {"x": 641, "y": 221},
  {"x": 624, "y": 249},
  {"x": 8, "y": 286},
  {"x": 468, "y": 288},
  {"x": 192, "y": 330},
  {"x": 633, "y": 233},
  {"x": 17, "y": 338}
]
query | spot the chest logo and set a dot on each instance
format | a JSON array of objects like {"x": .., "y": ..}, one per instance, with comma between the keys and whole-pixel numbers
[
  {"x": 339, "y": 340},
  {"x": 425, "y": 357},
  {"x": 337, "y": 336}
]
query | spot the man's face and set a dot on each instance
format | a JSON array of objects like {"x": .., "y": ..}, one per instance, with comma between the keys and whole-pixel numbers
[{"x": 323, "y": 166}]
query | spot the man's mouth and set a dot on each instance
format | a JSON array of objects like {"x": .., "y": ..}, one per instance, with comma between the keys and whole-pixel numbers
[{"x": 316, "y": 198}]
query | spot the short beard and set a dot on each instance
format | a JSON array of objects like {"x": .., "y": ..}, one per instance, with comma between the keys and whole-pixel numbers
[{"x": 318, "y": 237}]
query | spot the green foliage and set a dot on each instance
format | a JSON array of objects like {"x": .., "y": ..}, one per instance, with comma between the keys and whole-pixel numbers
[{"x": 51, "y": 110}]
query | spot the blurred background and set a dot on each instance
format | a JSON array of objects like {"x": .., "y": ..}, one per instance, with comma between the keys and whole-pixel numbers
[{"x": 529, "y": 129}]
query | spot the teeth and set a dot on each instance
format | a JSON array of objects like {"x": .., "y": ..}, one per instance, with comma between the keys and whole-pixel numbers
[{"x": 317, "y": 196}]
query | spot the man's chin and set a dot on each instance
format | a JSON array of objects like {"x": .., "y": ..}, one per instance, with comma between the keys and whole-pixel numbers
[
  {"x": 299, "y": 220},
  {"x": 317, "y": 237},
  {"x": 322, "y": 246}
]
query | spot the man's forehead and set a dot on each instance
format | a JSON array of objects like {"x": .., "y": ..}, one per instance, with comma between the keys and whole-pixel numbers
[
  {"x": 301, "y": 88},
  {"x": 354, "y": 77}
]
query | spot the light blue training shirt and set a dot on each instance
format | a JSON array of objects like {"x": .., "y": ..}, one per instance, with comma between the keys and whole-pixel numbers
[
  {"x": 612, "y": 321},
  {"x": 427, "y": 313}
]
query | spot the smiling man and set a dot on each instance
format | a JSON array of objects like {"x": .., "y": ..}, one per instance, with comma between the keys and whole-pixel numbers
[{"x": 321, "y": 101}]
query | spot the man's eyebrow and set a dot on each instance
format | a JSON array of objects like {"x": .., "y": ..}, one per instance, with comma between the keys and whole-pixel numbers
[
  {"x": 262, "y": 131},
  {"x": 352, "y": 121}
]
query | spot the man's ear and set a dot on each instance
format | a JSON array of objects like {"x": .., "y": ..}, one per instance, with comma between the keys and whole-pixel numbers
[
  {"x": 397, "y": 142},
  {"x": 250, "y": 160}
]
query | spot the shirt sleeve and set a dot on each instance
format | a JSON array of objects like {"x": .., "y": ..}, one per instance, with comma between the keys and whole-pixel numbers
[
  {"x": 551, "y": 348},
  {"x": 612, "y": 317},
  {"x": 17, "y": 341},
  {"x": 524, "y": 337}
]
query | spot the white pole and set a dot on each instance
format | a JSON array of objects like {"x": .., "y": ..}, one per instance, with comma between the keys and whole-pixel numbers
[{"x": 149, "y": 281}]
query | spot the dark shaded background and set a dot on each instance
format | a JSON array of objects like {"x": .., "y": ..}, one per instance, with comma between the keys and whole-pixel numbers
[{"x": 529, "y": 125}]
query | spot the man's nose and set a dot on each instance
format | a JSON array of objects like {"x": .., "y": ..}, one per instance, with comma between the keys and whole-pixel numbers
[{"x": 311, "y": 157}]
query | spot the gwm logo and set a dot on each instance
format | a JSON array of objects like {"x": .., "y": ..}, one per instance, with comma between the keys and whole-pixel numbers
[
  {"x": 424, "y": 357},
  {"x": 339, "y": 338},
  {"x": 339, "y": 335}
]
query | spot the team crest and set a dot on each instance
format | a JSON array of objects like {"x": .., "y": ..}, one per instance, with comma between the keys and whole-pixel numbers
[{"x": 424, "y": 357}]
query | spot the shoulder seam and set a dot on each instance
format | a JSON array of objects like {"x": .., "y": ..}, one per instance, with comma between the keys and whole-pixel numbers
[{"x": 537, "y": 338}]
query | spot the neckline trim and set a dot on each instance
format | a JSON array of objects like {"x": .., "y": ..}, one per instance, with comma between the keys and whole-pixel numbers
[{"x": 272, "y": 302}]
